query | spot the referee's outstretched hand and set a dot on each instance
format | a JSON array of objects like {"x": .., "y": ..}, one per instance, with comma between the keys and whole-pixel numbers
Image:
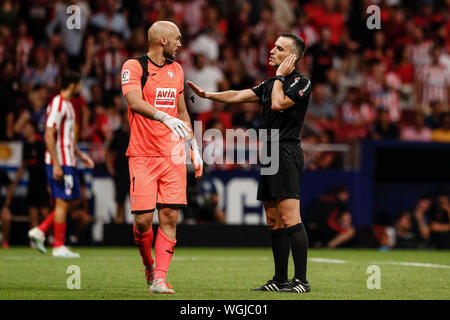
[
  {"x": 198, "y": 91},
  {"x": 287, "y": 66}
]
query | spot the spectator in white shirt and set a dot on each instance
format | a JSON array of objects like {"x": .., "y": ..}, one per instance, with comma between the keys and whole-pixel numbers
[
  {"x": 208, "y": 77},
  {"x": 111, "y": 20},
  {"x": 72, "y": 37},
  {"x": 206, "y": 44}
]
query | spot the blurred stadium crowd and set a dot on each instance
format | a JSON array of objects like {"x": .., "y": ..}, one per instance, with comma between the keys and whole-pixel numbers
[
  {"x": 392, "y": 83},
  {"x": 422, "y": 226}
]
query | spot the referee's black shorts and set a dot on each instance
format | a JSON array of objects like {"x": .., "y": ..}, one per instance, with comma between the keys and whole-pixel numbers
[{"x": 285, "y": 183}]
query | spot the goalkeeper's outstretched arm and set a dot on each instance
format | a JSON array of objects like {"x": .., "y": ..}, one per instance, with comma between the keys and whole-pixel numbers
[{"x": 230, "y": 96}]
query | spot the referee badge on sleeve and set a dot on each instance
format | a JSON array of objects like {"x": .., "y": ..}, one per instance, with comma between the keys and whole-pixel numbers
[
  {"x": 304, "y": 89},
  {"x": 125, "y": 76}
]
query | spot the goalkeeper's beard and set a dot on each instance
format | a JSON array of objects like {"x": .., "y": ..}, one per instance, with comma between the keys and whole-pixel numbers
[{"x": 169, "y": 56}]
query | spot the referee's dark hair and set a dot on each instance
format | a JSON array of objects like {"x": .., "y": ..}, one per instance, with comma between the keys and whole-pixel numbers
[
  {"x": 299, "y": 44},
  {"x": 68, "y": 78}
]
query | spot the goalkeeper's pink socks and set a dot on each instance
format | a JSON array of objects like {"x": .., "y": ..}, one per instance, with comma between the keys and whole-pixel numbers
[
  {"x": 48, "y": 221},
  {"x": 144, "y": 242},
  {"x": 164, "y": 247}
]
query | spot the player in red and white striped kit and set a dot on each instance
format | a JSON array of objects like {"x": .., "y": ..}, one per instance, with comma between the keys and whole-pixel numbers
[
  {"x": 419, "y": 51},
  {"x": 61, "y": 164},
  {"x": 61, "y": 115},
  {"x": 383, "y": 87},
  {"x": 433, "y": 81}
]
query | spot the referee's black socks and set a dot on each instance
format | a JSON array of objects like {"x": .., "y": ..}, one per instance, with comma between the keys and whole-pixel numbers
[
  {"x": 299, "y": 245},
  {"x": 280, "y": 249}
]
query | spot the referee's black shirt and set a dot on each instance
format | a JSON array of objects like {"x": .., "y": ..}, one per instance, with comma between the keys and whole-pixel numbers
[{"x": 288, "y": 121}]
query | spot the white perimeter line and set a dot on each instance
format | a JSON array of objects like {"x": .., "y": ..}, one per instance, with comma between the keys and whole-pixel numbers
[
  {"x": 323, "y": 260},
  {"x": 415, "y": 264},
  {"x": 191, "y": 258}
]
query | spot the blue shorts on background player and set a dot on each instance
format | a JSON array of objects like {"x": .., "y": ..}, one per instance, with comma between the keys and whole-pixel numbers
[{"x": 68, "y": 188}]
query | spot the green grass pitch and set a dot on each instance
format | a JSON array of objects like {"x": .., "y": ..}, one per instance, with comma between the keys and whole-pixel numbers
[{"x": 224, "y": 274}]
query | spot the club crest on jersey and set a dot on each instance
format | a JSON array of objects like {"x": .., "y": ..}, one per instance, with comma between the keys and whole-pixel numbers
[
  {"x": 165, "y": 97},
  {"x": 170, "y": 73},
  {"x": 125, "y": 76}
]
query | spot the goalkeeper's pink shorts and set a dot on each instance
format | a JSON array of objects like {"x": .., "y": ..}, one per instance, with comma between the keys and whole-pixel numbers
[{"x": 156, "y": 182}]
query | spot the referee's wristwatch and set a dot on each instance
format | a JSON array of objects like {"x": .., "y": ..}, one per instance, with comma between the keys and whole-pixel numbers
[{"x": 281, "y": 78}]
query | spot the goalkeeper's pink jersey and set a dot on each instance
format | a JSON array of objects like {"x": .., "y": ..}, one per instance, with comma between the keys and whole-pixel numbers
[{"x": 163, "y": 87}]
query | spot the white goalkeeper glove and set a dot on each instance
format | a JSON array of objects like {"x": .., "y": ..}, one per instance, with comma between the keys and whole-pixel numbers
[
  {"x": 178, "y": 127},
  {"x": 195, "y": 157}
]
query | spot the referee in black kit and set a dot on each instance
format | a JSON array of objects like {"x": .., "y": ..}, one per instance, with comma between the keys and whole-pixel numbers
[{"x": 285, "y": 99}]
